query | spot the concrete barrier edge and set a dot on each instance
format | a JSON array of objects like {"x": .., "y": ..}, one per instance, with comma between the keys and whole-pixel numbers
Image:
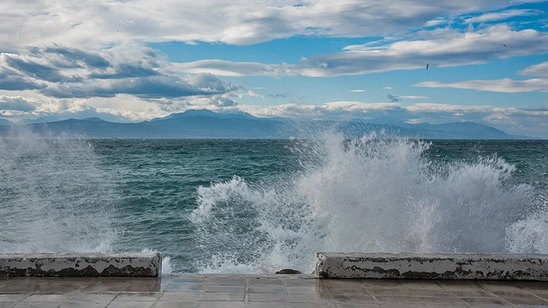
[
  {"x": 81, "y": 265},
  {"x": 432, "y": 266}
]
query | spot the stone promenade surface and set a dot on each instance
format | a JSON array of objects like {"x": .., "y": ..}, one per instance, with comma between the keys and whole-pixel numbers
[{"x": 189, "y": 290}]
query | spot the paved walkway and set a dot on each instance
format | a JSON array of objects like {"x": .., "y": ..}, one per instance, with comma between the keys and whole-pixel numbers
[{"x": 226, "y": 291}]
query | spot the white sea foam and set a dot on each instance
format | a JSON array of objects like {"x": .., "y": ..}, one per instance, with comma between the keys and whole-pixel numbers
[{"x": 369, "y": 195}]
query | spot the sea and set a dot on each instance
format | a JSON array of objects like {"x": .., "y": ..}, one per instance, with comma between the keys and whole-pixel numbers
[{"x": 257, "y": 206}]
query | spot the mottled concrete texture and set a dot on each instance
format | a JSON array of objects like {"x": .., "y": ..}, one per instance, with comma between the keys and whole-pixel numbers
[
  {"x": 432, "y": 266},
  {"x": 81, "y": 265}
]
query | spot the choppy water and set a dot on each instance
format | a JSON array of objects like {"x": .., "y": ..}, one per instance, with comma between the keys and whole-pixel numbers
[{"x": 254, "y": 206}]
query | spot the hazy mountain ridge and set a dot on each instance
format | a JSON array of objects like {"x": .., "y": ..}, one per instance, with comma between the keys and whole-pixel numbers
[
  {"x": 206, "y": 113},
  {"x": 209, "y": 124}
]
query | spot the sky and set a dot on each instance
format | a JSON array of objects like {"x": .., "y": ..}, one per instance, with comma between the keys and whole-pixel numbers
[{"x": 441, "y": 61}]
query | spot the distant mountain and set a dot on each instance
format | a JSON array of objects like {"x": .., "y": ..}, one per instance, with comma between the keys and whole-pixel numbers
[
  {"x": 387, "y": 120},
  {"x": 207, "y": 113},
  {"x": 241, "y": 125},
  {"x": 470, "y": 129}
]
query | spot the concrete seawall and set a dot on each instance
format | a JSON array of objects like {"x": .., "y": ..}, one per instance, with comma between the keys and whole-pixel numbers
[
  {"x": 81, "y": 265},
  {"x": 432, "y": 266},
  {"x": 328, "y": 265}
]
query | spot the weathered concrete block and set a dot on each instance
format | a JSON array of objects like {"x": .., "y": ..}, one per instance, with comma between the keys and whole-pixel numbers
[
  {"x": 80, "y": 265},
  {"x": 432, "y": 266}
]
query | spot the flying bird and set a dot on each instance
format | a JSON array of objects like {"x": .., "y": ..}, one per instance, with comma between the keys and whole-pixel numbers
[
  {"x": 504, "y": 45},
  {"x": 427, "y": 65}
]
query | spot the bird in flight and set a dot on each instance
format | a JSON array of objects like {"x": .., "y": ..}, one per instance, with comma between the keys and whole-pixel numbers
[
  {"x": 427, "y": 65},
  {"x": 504, "y": 45}
]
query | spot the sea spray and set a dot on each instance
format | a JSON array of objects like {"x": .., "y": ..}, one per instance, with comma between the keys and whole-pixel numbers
[
  {"x": 529, "y": 234},
  {"x": 167, "y": 267},
  {"x": 366, "y": 194},
  {"x": 54, "y": 196},
  {"x": 231, "y": 219}
]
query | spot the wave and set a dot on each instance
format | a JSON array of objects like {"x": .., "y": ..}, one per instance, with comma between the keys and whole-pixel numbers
[{"x": 366, "y": 194}]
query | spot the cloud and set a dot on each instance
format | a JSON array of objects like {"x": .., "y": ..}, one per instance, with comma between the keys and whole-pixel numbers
[
  {"x": 16, "y": 104},
  {"x": 71, "y": 57},
  {"x": 413, "y": 97},
  {"x": 11, "y": 80},
  {"x": 502, "y": 15},
  {"x": 126, "y": 69},
  {"x": 456, "y": 49},
  {"x": 34, "y": 70},
  {"x": 452, "y": 49},
  {"x": 501, "y": 85},
  {"x": 151, "y": 87},
  {"x": 353, "y": 106},
  {"x": 214, "y": 102},
  {"x": 234, "y": 69},
  {"x": 505, "y": 85},
  {"x": 539, "y": 70},
  {"x": 209, "y": 83},
  {"x": 90, "y": 23}
]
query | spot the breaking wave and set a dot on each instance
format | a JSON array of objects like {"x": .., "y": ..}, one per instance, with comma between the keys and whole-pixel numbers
[{"x": 367, "y": 194}]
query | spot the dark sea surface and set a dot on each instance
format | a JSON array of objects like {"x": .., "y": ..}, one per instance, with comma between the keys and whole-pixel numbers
[{"x": 255, "y": 206}]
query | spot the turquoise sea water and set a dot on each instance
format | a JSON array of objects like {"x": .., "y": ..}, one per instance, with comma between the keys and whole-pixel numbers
[{"x": 254, "y": 206}]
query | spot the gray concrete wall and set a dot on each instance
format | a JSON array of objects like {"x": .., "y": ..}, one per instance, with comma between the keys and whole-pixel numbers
[
  {"x": 81, "y": 264},
  {"x": 432, "y": 266}
]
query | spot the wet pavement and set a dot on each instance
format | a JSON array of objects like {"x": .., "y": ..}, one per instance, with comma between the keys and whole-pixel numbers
[{"x": 226, "y": 291}]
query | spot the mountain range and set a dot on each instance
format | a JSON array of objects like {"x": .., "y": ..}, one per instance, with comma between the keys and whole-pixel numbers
[{"x": 236, "y": 125}]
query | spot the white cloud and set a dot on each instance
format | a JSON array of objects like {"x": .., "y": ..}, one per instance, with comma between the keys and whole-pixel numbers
[
  {"x": 352, "y": 106},
  {"x": 505, "y": 85},
  {"x": 501, "y": 85},
  {"x": 430, "y": 107},
  {"x": 234, "y": 69},
  {"x": 539, "y": 70},
  {"x": 413, "y": 97},
  {"x": 93, "y": 23},
  {"x": 435, "y": 22},
  {"x": 459, "y": 49},
  {"x": 283, "y": 110},
  {"x": 502, "y": 15},
  {"x": 451, "y": 50}
]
